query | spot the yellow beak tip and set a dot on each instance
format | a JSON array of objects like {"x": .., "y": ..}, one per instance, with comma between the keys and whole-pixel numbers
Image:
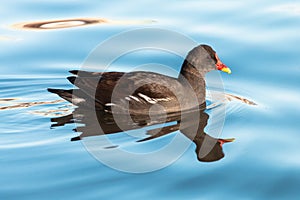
[{"x": 227, "y": 70}]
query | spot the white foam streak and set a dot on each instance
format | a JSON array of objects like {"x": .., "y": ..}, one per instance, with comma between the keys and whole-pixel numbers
[
  {"x": 288, "y": 8},
  {"x": 30, "y": 143}
]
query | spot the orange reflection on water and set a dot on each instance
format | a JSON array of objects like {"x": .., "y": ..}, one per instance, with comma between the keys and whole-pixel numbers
[
  {"x": 69, "y": 23},
  {"x": 57, "y": 24}
]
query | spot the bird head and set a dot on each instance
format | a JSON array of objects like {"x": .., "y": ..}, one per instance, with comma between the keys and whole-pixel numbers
[
  {"x": 205, "y": 59},
  {"x": 211, "y": 149}
]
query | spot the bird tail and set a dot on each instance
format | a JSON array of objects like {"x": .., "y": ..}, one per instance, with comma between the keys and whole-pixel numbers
[
  {"x": 77, "y": 97},
  {"x": 65, "y": 94},
  {"x": 82, "y": 73}
]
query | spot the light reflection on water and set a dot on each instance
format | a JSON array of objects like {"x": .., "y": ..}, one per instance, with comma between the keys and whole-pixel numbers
[
  {"x": 57, "y": 24},
  {"x": 258, "y": 41},
  {"x": 69, "y": 23}
]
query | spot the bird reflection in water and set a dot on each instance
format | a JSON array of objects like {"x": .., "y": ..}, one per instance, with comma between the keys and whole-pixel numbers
[{"x": 208, "y": 148}]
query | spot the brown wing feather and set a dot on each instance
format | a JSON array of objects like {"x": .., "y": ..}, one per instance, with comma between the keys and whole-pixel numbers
[{"x": 138, "y": 89}]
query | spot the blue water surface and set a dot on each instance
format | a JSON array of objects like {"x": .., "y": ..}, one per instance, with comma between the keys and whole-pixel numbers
[{"x": 258, "y": 40}]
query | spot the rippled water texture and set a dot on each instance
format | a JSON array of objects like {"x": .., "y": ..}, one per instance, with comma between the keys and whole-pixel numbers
[{"x": 258, "y": 40}]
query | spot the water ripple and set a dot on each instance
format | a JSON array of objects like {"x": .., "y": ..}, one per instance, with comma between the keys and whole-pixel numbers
[
  {"x": 227, "y": 98},
  {"x": 288, "y": 8},
  {"x": 69, "y": 23},
  {"x": 26, "y": 104},
  {"x": 66, "y": 109},
  {"x": 30, "y": 143}
]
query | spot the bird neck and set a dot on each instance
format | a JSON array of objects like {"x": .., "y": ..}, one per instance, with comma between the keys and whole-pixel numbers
[{"x": 191, "y": 76}]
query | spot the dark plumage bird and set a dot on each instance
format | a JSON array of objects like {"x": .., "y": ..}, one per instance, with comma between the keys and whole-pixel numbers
[
  {"x": 145, "y": 96},
  {"x": 138, "y": 91}
]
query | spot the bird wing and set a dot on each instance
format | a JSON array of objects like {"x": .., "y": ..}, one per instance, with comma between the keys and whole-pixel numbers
[{"x": 137, "y": 91}]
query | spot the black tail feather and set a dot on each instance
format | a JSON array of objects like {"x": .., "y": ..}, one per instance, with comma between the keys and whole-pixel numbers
[
  {"x": 81, "y": 73},
  {"x": 75, "y": 72},
  {"x": 75, "y": 138},
  {"x": 72, "y": 79},
  {"x": 65, "y": 94},
  {"x": 58, "y": 91}
]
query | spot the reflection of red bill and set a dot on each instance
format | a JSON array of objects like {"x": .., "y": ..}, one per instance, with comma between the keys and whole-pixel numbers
[
  {"x": 222, "y": 141},
  {"x": 220, "y": 66}
]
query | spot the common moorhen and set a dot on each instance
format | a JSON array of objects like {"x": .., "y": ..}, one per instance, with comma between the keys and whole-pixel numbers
[{"x": 138, "y": 91}]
